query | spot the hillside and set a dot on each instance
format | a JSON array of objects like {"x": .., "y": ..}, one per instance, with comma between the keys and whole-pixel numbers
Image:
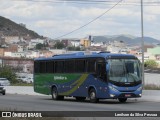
[
  {"x": 10, "y": 28},
  {"x": 130, "y": 40}
]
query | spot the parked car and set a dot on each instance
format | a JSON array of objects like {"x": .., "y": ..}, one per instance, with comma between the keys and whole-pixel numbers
[
  {"x": 4, "y": 82},
  {"x": 30, "y": 80},
  {"x": 2, "y": 90},
  {"x": 26, "y": 79}
]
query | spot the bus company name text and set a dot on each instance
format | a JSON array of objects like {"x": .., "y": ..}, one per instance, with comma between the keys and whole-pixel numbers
[{"x": 60, "y": 78}]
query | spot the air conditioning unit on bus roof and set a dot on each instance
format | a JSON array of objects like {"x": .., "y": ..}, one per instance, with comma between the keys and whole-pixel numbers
[{"x": 81, "y": 53}]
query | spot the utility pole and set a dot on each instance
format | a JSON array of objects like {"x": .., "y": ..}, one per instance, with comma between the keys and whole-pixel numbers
[{"x": 142, "y": 43}]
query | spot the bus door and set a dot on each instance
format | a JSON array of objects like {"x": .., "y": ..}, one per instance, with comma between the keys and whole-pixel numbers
[{"x": 101, "y": 71}]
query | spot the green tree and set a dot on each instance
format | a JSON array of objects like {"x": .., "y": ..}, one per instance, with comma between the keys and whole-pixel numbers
[
  {"x": 7, "y": 72},
  {"x": 74, "y": 48},
  {"x": 59, "y": 45},
  {"x": 151, "y": 64},
  {"x": 39, "y": 46}
]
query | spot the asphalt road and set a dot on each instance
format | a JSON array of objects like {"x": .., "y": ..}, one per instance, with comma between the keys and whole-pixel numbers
[{"x": 11, "y": 102}]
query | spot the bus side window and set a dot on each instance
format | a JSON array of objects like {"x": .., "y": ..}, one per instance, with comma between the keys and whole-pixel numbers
[
  {"x": 80, "y": 66},
  {"x": 42, "y": 67},
  {"x": 50, "y": 67},
  {"x": 69, "y": 66},
  {"x": 91, "y": 65},
  {"x": 101, "y": 70},
  {"x": 36, "y": 67},
  {"x": 59, "y": 66}
]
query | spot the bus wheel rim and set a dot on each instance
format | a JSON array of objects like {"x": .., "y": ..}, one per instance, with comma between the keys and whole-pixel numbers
[
  {"x": 92, "y": 95},
  {"x": 54, "y": 94}
]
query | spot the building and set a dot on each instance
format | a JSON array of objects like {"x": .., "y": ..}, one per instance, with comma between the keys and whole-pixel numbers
[
  {"x": 75, "y": 43},
  {"x": 154, "y": 51},
  {"x": 10, "y": 39},
  {"x": 15, "y": 54},
  {"x": 85, "y": 42},
  {"x": 12, "y": 48},
  {"x": 34, "y": 42},
  {"x": 18, "y": 64},
  {"x": 1, "y": 52}
]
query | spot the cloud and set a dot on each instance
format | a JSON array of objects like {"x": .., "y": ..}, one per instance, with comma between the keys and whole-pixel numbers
[{"x": 50, "y": 19}]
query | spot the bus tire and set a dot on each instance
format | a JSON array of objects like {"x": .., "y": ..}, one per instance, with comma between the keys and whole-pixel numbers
[
  {"x": 55, "y": 93},
  {"x": 80, "y": 98},
  {"x": 92, "y": 96},
  {"x": 3, "y": 93},
  {"x": 122, "y": 100}
]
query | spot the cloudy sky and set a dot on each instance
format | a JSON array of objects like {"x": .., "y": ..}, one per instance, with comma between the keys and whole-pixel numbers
[{"x": 55, "y": 18}]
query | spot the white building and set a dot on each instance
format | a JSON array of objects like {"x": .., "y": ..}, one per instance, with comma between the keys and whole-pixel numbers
[
  {"x": 97, "y": 44},
  {"x": 32, "y": 54},
  {"x": 20, "y": 48},
  {"x": 34, "y": 42},
  {"x": 14, "y": 54},
  {"x": 75, "y": 43},
  {"x": 57, "y": 51}
]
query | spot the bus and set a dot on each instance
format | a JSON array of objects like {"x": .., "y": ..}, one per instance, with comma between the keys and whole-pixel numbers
[{"x": 94, "y": 76}]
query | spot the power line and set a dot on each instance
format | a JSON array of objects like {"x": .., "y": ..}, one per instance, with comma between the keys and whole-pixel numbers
[
  {"x": 90, "y": 21},
  {"x": 94, "y": 2}
]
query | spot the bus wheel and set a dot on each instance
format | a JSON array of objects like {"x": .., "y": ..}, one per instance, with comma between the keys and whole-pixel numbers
[
  {"x": 4, "y": 93},
  {"x": 92, "y": 96},
  {"x": 54, "y": 93},
  {"x": 122, "y": 100},
  {"x": 80, "y": 98}
]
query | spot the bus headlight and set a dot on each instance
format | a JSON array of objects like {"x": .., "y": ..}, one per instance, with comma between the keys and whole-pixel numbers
[
  {"x": 112, "y": 88},
  {"x": 140, "y": 88},
  {"x": 111, "y": 95}
]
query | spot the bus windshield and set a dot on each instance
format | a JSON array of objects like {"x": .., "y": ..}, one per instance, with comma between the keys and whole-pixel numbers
[{"x": 124, "y": 70}]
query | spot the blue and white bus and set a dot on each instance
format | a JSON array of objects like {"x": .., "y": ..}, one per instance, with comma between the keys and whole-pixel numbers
[{"x": 95, "y": 76}]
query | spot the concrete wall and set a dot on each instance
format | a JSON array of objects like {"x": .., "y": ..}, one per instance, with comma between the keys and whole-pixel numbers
[
  {"x": 26, "y": 90},
  {"x": 151, "y": 78}
]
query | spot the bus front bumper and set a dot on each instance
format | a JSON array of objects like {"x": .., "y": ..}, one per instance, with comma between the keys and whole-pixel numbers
[{"x": 115, "y": 93}]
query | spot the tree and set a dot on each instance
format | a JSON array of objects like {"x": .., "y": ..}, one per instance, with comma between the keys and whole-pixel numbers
[
  {"x": 59, "y": 45},
  {"x": 39, "y": 46},
  {"x": 151, "y": 64},
  {"x": 74, "y": 48},
  {"x": 7, "y": 72}
]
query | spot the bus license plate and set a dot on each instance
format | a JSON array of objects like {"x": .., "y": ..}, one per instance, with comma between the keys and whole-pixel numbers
[{"x": 127, "y": 95}]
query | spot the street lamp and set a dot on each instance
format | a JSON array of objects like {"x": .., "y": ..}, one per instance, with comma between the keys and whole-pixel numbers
[{"x": 142, "y": 42}]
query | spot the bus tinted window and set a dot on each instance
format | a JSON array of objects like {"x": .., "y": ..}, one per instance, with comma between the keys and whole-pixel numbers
[
  {"x": 80, "y": 66},
  {"x": 42, "y": 67},
  {"x": 69, "y": 66},
  {"x": 36, "y": 67},
  {"x": 91, "y": 65},
  {"x": 50, "y": 67},
  {"x": 59, "y": 66}
]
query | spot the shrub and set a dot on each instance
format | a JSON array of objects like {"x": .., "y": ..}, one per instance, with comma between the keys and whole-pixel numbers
[
  {"x": 151, "y": 64},
  {"x": 7, "y": 72}
]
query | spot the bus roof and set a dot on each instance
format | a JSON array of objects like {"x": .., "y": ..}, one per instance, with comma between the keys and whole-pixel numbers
[{"x": 83, "y": 55}]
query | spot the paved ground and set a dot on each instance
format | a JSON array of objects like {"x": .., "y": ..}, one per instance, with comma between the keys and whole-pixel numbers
[
  {"x": 155, "y": 70},
  {"x": 45, "y": 103}
]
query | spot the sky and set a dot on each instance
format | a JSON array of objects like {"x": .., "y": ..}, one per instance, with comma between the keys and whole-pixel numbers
[{"x": 56, "y": 18}]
